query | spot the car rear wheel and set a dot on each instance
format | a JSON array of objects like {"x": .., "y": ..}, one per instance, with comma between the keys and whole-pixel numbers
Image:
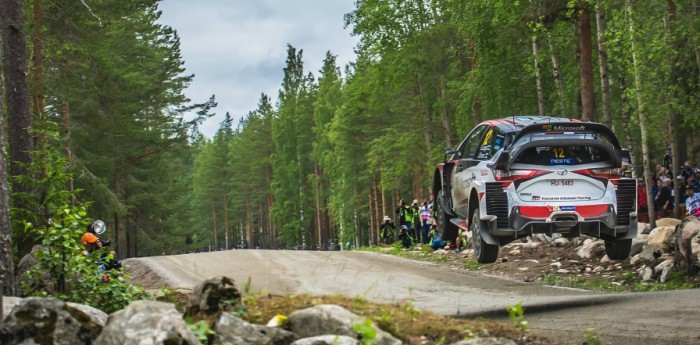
[
  {"x": 447, "y": 229},
  {"x": 618, "y": 249},
  {"x": 485, "y": 253}
]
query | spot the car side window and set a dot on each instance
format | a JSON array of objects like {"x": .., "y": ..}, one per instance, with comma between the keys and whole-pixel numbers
[
  {"x": 468, "y": 149},
  {"x": 493, "y": 140}
]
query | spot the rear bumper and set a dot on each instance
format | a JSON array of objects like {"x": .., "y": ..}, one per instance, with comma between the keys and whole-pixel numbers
[{"x": 567, "y": 223}]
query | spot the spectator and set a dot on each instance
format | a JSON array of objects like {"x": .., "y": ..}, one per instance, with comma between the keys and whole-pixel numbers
[
  {"x": 425, "y": 222},
  {"x": 693, "y": 183},
  {"x": 414, "y": 229},
  {"x": 687, "y": 169},
  {"x": 642, "y": 205},
  {"x": 692, "y": 202},
  {"x": 436, "y": 241},
  {"x": 668, "y": 158},
  {"x": 404, "y": 237},
  {"x": 404, "y": 216},
  {"x": 663, "y": 198},
  {"x": 387, "y": 230}
]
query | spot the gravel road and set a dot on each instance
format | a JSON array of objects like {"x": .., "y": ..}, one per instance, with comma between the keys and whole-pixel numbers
[{"x": 622, "y": 318}]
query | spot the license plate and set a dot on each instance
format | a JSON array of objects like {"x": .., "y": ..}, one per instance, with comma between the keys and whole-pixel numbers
[{"x": 561, "y": 183}]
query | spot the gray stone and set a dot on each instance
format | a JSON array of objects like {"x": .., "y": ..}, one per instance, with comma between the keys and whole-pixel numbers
[
  {"x": 38, "y": 320},
  {"x": 486, "y": 341},
  {"x": 332, "y": 319},
  {"x": 591, "y": 249},
  {"x": 637, "y": 246},
  {"x": 146, "y": 323},
  {"x": 213, "y": 295},
  {"x": 328, "y": 340},
  {"x": 8, "y": 303},
  {"x": 231, "y": 330}
]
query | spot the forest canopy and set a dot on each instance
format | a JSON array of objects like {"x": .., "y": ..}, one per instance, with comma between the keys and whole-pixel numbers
[{"x": 338, "y": 149}]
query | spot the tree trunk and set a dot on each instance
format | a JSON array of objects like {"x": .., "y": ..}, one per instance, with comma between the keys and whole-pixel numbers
[
  {"x": 476, "y": 104},
  {"x": 556, "y": 73},
  {"x": 7, "y": 277},
  {"x": 603, "y": 61},
  {"x": 586, "y": 62},
  {"x": 18, "y": 115},
  {"x": 538, "y": 74},
  {"x": 641, "y": 108},
  {"x": 214, "y": 229},
  {"x": 445, "y": 114},
  {"x": 318, "y": 203},
  {"x": 226, "y": 217}
]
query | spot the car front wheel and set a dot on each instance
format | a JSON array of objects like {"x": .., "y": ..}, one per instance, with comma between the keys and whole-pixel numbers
[
  {"x": 618, "y": 249},
  {"x": 485, "y": 253}
]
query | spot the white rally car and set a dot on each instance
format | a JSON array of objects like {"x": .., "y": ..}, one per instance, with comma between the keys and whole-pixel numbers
[{"x": 522, "y": 175}]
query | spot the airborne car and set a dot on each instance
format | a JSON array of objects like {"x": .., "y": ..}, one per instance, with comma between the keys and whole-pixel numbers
[{"x": 522, "y": 175}]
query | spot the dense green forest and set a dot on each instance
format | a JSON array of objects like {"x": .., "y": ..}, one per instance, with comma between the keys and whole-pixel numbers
[{"x": 101, "y": 118}]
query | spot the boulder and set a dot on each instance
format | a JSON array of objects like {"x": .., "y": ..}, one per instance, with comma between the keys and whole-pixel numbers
[
  {"x": 38, "y": 320},
  {"x": 672, "y": 222},
  {"x": 486, "y": 341},
  {"x": 146, "y": 323},
  {"x": 637, "y": 246},
  {"x": 8, "y": 303},
  {"x": 231, "y": 330},
  {"x": 25, "y": 264},
  {"x": 211, "y": 297},
  {"x": 651, "y": 252},
  {"x": 332, "y": 319},
  {"x": 591, "y": 248},
  {"x": 328, "y": 340},
  {"x": 561, "y": 242},
  {"x": 662, "y": 236},
  {"x": 685, "y": 233}
]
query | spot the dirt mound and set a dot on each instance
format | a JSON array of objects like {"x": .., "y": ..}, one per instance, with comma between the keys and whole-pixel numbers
[{"x": 142, "y": 274}]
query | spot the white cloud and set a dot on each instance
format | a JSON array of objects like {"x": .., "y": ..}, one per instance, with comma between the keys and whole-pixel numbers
[{"x": 237, "y": 49}]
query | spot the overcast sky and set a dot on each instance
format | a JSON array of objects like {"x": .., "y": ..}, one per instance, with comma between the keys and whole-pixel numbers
[{"x": 237, "y": 48}]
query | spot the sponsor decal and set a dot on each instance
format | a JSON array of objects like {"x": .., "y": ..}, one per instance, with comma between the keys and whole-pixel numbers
[
  {"x": 535, "y": 198},
  {"x": 484, "y": 172},
  {"x": 525, "y": 194},
  {"x": 564, "y": 128},
  {"x": 561, "y": 161},
  {"x": 566, "y": 198}
]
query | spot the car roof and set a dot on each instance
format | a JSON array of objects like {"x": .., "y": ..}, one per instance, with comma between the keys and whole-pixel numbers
[{"x": 516, "y": 123}]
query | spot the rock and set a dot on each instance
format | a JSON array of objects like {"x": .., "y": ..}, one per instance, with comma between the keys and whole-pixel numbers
[
  {"x": 326, "y": 318},
  {"x": 213, "y": 296},
  {"x": 591, "y": 249},
  {"x": 650, "y": 252},
  {"x": 685, "y": 233},
  {"x": 8, "y": 303},
  {"x": 663, "y": 266},
  {"x": 95, "y": 315},
  {"x": 441, "y": 252},
  {"x": 561, "y": 242},
  {"x": 556, "y": 265},
  {"x": 146, "y": 323},
  {"x": 231, "y": 330},
  {"x": 563, "y": 271},
  {"x": 672, "y": 222},
  {"x": 662, "y": 237},
  {"x": 635, "y": 260},
  {"x": 605, "y": 259},
  {"x": 328, "y": 340},
  {"x": 38, "y": 320},
  {"x": 25, "y": 264},
  {"x": 637, "y": 246},
  {"x": 646, "y": 274},
  {"x": 532, "y": 261},
  {"x": 486, "y": 341},
  {"x": 598, "y": 269},
  {"x": 523, "y": 269},
  {"x": 514, "y": 252}
]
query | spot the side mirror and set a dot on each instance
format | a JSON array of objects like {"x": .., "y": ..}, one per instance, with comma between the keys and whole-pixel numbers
[
  {"x": 449, "y": 151},
  {"x": 502, "y": 160}
]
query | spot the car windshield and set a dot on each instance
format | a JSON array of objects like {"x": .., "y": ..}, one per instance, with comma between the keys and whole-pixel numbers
[{"x": 563, "y": 155}]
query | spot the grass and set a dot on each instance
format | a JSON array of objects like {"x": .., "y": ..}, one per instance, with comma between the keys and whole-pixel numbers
[
  {"x": 629, "y": 282},
  {"x": 400, "y": 319}
]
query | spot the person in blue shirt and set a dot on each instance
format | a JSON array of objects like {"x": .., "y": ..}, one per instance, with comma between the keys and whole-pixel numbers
[{"x": 692, "y": 202}]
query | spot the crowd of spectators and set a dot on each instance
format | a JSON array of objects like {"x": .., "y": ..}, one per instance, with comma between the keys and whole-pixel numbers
[{"x": 663, "y": 190}]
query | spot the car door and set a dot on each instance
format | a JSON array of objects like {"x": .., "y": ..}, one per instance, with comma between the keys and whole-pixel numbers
[{"x": 464, "y": 171}]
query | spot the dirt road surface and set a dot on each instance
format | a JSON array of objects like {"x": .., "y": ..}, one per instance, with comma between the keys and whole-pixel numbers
[{"x": 622, "y": 318}]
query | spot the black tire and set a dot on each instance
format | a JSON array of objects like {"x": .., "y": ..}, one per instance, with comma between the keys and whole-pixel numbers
[
  {"x": 485, "y": 253},
  {"x": 445, "y": 227},
  {"x": 618, "y": 249}
]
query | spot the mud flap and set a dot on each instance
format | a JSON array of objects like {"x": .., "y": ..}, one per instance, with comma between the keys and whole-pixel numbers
[{"x": 489, "y": 224}]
